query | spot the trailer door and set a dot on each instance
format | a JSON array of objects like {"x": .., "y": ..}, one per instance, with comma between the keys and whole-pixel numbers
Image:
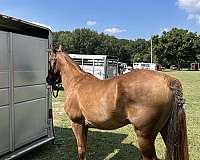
[
  {"x": 30, "y": 92},
  {"x": 4, "y": 94}
]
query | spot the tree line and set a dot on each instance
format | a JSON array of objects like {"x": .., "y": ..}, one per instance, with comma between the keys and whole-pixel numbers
[{"x": 177, "y": 46}]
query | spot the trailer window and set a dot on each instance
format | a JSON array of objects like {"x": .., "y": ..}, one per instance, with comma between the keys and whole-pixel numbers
[
  {"x": 88, "y": 62},
  {"x": 147, "y": 65},
  {"x": 98, "y": 62},
  {"x": 78, "y": 61}
]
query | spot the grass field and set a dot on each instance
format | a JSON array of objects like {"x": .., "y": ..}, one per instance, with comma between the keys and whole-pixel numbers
[{"x": 120, "y": 144}]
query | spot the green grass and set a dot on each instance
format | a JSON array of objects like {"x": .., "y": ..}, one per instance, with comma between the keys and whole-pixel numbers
[{"x": 121, "y": 143}]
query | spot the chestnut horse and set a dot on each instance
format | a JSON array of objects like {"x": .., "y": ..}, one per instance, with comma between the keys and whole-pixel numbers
[{"x": 151, "y": 101}]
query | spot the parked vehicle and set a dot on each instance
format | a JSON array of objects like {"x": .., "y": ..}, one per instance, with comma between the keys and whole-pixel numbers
[
  {"x": 121, "y": 67},
  {"x": 127, "y": 69},
  {"x": 159, "y": 67},
  {"x": 150, "y": 66},
  {"x": 173, "y": 67},
  {"x": 194, "y": 66}
]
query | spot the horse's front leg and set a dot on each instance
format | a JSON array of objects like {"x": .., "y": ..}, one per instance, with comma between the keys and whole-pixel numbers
[{"x": 80, "y": 132}]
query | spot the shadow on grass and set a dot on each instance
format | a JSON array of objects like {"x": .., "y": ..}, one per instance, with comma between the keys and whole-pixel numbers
[{"x": 101, "y": 145}]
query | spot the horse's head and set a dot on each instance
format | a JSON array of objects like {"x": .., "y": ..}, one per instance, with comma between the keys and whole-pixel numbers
[{"x": 54, "y": 77}]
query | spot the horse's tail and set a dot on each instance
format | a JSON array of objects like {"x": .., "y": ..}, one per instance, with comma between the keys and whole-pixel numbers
[{"x": 176, "y": 130}]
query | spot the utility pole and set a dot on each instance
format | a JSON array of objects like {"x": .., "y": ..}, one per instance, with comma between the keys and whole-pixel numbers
[{"x": 151, "y": 50}]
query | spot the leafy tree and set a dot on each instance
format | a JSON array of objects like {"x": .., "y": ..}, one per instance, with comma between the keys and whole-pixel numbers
[
  {"x": 177, "y": 46},
  {"x": 141, "y": 51}
]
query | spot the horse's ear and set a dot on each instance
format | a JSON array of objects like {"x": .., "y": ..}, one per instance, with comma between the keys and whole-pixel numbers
[
  {"x": 52, "y": 53},
  {"x": 60, "y": 49}
]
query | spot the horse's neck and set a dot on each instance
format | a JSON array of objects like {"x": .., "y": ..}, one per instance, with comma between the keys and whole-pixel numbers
[{"x": 70, "y": 73}]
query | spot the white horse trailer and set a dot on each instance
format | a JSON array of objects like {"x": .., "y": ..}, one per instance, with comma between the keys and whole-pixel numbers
[
  {"x": 25, "y": 98},
  {"x": 101, "y": 66},
  {"x": 150, "y": 66}
]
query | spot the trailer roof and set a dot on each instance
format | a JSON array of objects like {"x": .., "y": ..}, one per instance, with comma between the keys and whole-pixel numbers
[
  {"x": 11, "y": 24},
  {"x": 87, "y": 56}
]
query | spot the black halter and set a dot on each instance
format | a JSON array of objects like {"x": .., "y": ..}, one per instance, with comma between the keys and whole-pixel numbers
[{"x": 54, "y": 82}]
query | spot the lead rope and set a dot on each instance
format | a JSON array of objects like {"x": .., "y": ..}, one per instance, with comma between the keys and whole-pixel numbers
[
  {"x": 57, "y": 89},
  {"x": 55, "y": 95}
]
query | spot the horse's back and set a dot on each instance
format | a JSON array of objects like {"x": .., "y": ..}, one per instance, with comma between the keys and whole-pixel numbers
[{"x": 143, "y": 82}]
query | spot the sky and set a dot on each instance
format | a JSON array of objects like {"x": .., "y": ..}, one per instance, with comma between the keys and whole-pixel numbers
[{"x": 126, "y": 19}]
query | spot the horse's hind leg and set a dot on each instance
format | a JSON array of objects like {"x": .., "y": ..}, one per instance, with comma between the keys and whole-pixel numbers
[
  {"x": 146, "y": 144},
  {"x": 80, "y": 132}
]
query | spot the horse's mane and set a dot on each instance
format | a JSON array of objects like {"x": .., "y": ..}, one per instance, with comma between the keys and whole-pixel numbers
[{"x": 69, "y": 59}]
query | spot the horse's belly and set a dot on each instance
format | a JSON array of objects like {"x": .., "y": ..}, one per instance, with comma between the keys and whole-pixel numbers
[{"x": 108, "y": 124}]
